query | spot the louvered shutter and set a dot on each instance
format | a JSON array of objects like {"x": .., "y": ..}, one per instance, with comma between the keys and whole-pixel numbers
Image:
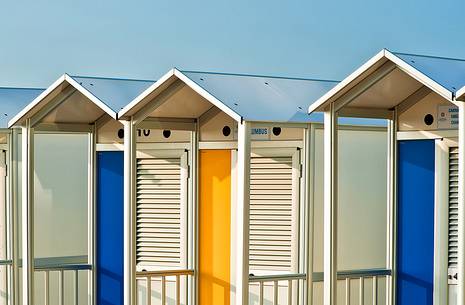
[
  {"x": 273, "y": 213},
  {"x": 453, "y": 205},
  {"x": 161, "y": 197}
]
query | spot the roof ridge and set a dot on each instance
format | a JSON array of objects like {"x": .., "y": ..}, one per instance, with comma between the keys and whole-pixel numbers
[
  {"x": 258, "y": 75},
  {"x": 114, "y": 78},
  {"x": 429, "y": 56}
]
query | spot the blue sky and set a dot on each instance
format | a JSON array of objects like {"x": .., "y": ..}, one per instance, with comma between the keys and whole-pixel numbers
[{"x": 143, "y": 39}]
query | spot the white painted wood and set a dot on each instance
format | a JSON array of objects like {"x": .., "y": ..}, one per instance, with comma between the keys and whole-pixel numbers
[
  {"x": 391, "y": 206},
  {"x": 441, "y": 220},
  {"x": 308, "y": 185},
  {"x": 28, "y": 213},
  {"x": 92, "y": 216},
  {"x": 13, "y": 189},
  {"x": 129, "y": 214},
  {"x": 161, "y": 212},
  {"x": 242, "y": 214},
  {"x": 364, "y": 85},
  {"x": 330, "y": 207}
]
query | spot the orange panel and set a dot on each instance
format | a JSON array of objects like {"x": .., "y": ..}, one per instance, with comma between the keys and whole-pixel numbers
[{"x": 214, "y": 227}]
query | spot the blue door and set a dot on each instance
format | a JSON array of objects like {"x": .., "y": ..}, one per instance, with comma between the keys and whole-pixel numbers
[
  {"x": 415, "y": 231},
  {"x": 110, "y": 166}
]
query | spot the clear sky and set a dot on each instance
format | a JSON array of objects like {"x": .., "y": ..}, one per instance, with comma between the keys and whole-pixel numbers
[{"x": 40, "y": 40}]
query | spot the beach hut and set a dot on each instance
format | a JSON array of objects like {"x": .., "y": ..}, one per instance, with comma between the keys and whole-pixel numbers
[{"x": 421, "y": 98}]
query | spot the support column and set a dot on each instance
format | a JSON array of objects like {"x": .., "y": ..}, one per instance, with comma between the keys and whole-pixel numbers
[
  {"x": 309, "y": 151},
  {"x": 92, "y": 208},
  {"x": 391, "y": 208},
  {"x": 461, "y": 209},
  {"x": 28, "y": 212},
  {"x": 129, "y": 214},
  {"x": 242, "y": 214},
  {"x": 14, "y": 202},
  {"x": 193, "y": 262},
  {"x": 330, "y": 206}
]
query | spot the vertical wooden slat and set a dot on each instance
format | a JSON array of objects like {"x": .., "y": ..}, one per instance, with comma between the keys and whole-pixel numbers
[
  {"x": 347, "y": 291},
  {"x": 375, "y": 290},
  {"x": 362, "y": 291},
  {"x": 149, "y": 290},
  {"x": 47, "y": 288},
  {"x": 275, "y": 293},
  {"x": 178, "y": 290},
  {"x": 61, "y": 288},
  {"x": 289, "y": 293},
  {"x": 163, "y": 290},
  {"x": 260, "y": 298},
  {"x": 76, "y": 287}
]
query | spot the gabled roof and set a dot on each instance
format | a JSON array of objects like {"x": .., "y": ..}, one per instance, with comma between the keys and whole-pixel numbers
[
  {"x": 114, "y": 92},
  {"x": 245, "y": 97},
  {"x": 108, "y": 94},
  {"x": 447, "y": 72},
  {"x": 442, "y": 75},
  {"x": 12, "y": 100}
]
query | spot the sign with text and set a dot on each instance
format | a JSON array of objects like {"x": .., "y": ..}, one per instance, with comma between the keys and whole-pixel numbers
[
  {"x": 448, "y": 117},
  {"x": 260, "y": 133}
]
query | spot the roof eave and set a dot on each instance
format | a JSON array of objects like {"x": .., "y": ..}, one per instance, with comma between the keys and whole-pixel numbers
[
  {"x": 322, "y": 102},
  {"x": 17, "y": 119},
  {"x": 460, "y": 94},
  {"x": 126, "y": 112}
]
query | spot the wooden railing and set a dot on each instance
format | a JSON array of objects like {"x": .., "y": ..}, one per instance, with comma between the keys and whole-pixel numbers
[
  {"x": 361, "y": 275},
  {"x": 289, "y": 279},
  {"x": 60, "y": 269},
  {"x": 149, "y": 276}
]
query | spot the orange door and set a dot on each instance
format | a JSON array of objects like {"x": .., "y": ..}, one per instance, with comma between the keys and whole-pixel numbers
[{"x": 214, "y": 226}]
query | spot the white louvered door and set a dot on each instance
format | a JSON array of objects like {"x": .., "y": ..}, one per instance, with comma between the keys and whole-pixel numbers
[
  {"x": 161, "y": 210},
  {"x": 274, "y": 211}
]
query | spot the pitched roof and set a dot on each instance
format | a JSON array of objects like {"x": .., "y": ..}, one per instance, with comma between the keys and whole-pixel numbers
[
  {"x": 13, "y": 100},
  {"x": 247, "y": 97},
  {"x": 114, "y": 92},
  {"x": 108, "y": 94},
  {"x": 445, "y": 76}
]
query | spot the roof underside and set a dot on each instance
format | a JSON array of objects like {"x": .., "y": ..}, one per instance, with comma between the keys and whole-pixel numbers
[
  {"x": 408, "y": 75},
  {"x": 448, "y": 72},
  {"x": 388, "y": 92},
  {"x": 13, "y": 100},
  {"x": 82, "y": 100}
]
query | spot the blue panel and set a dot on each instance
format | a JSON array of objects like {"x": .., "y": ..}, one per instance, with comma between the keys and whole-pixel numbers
[
  {"x": 110, "y": 168},
  {"x": 415, "y": 248}
]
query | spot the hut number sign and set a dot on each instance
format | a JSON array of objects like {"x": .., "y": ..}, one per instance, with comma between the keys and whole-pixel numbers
[{"x": 448, "y": 117}]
